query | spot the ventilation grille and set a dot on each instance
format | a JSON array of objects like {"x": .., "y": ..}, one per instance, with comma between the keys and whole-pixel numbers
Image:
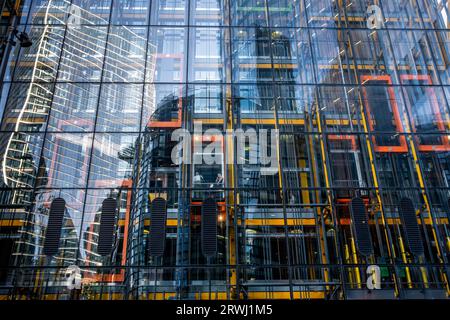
[
  {"x": 411, "y": 227},
  {"x": 107, "y": 223},
  {"x": 209, "y": 227},
  {"x": 361, "y": 225},
  {"x": 158, "y": 220},
  {"x": 54, "y": 226}
]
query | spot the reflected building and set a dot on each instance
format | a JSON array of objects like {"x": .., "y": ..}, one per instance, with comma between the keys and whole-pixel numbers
[
  {"x": 66, "y": 111},
  {"x": 355, "y": 207}
]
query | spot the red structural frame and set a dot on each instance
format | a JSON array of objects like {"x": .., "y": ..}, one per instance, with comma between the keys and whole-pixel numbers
[
  {"x": 344, "y": 137},
  {"x": 445, "y": 146},
  {"x": 403, "y": 147}
]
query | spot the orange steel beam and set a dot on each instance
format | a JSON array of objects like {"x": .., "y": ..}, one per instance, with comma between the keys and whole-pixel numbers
[
  {"x": 352, "y": 139},
  {"x": 445, "y": 146},
  {"x": 403, "y": 147}
]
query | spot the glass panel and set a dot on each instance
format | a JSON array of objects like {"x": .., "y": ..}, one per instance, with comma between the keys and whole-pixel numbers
[
  {"x": 112, "y": 160},
  {"x": 299, "y": 118},
  {"x": 170, "y": 12},
  {"x": 119, "y": 108},
  {"x": 65, "y": 160},
  {"x": 170, "y": 54},
  {"x": 135, "y": 12},
  {"x": 207, "y": 61},
  {"x": 83, "y": 54},
  {"x": 74, "y": 107},
  {"x": 207, "y": 12},
  {"x": 126, "y": 55}
]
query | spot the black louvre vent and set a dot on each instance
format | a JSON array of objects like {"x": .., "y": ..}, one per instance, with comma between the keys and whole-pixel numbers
[
  {"x": 107, "y": 222},
  {"x": 54, "y": 226},
  {"x": 411, "y": 227},
  {"x": 209, "y": 227},
  {"x": 158, "y": 219},
  {"x": 361, "y": 225}
]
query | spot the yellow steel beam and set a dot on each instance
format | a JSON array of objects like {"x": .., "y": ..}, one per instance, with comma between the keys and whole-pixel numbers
[
  {"x": 278, "y": 222},
  {"x": 327, "y": 181},
  {"x": 12, "y": 223},
  {"x": 355, "y": 261},
  {"x": 304, "y": 182},
  {"x": 255, "y": 295},
  {"x": 286, "y": 295},
  {"x": 347, "y": 260},
  {"x": 212, "y": 296},
  {"x": 390, "y": 246},
  {"x": 328, "y": 122},
  {"x": 428, "y": 208},
  {"x": 232, "y": 201},
  {"x": 405, "y": 261}
]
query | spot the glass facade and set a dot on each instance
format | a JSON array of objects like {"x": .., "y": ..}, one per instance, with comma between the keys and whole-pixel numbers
[{"x": 354, "y": 205}]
